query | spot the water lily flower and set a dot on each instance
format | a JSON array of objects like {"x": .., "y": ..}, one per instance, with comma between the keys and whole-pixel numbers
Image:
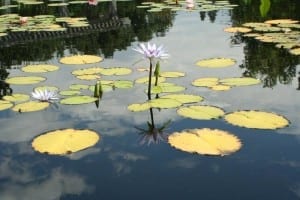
[
  {"x": 44, "y": 95},
  {"x": 190, "y": 4},
  {"x": 151, "y": 51},
  {"x": 92, "y": 2},
  {"x": 23, "y": 20}
]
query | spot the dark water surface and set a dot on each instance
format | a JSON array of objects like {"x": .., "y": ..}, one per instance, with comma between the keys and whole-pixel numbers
[{"x": 118, "y": 166}]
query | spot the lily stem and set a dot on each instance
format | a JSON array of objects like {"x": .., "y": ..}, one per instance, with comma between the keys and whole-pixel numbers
[{"x": 149, "y": 81}]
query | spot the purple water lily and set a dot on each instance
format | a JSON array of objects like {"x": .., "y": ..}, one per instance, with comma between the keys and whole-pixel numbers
[{"x": 151, "y": 51}]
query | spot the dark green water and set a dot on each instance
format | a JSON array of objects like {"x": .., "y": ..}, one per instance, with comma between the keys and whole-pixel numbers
[{"x": 119, "y": 167}]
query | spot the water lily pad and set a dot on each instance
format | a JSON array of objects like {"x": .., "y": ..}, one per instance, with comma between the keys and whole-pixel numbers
[
  {"x": 65, "y": 141},
  {"x": 30, "y": 106},
  {"x": 78, "y": 100},
  {"x": 295, "y": 51},
  {"x": 24, "y": 80},
  {"x": 5, "y": 105},
  {"x": 281, "y": 21},
  {"x": 242, "y": 81},
  {"x": 116, "y": 71},
  {"x": 124, "y": 84},
  {"x": 216, "y": 62},
  {"x": 39, "y": 68},
  {"x": 80, "y": 59},
  {"x": 205, "y": 82},
  {"x": 87, "y": 71},
  {"x": 184, "y": 98},
  {"x": 164, "y": 103},
  {"x": 237, "y": 30},
  {"x": 138, "y": 107},
  {"x": 16, "y": 97},
  {"x": 256, "y": 119},
  {"x": 201, "y": 112},
  {"x": 205, "y": 141},
  {"x": 88, "y": 77},
  {"x": 69, "y": 92},
  {"x": 146, "y": 79},
  {"x": 220, "y": 87},
  {"x": 79, "y": 87},
  {"x": 166, "y": 88},
  {"x": 57, "y": 4},
  {"x": 172, "y": 74}
]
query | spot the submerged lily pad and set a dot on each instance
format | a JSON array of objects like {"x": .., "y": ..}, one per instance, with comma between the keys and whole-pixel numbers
[
  {"x": 216, "y": 62},
  {"x": 242, "y": 81},
  {"x": 78, "y": 100},
  {"x": 183, "y": 98},
  {"x": 80, "y": 59},
  {"x": 65, "y": 141},
  {"x": 138, "y": 107},
  {"x": 201, "y": 112},
  {"x": 16, "y": 97},
  {"x": 256, "y": 119},
  {"x": 205, "y": 141},
  {"x": 116, "y": 71},
  {"x": 39, "y": 68},
  {"x": 5, "y": 105},
  {"x": 30, "y": 106},
  {"x": 24, "y": 80}
]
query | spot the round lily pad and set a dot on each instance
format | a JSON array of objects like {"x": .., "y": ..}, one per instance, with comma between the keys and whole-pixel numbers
[
  {"x": 171, "y": 74},
  {"x": 65, "y": 141},
  {"x": 216, "y": 62},
  {"x": 256, "y": 119},
  {"x": 237, "y": 30},
  {"x": 78, "y": 100},
  {"x": 205, "y": 141},
  {"x": 220, "y": 87},
  {"x": 30, "y": 106},
  {"x": 281, "y": 21},
  {"x": 164, "y": 103},
  {"x": 87, "y": 71},
  {"x": 69, "y": 92},
  {"x": 146, "y": 79},
  {"x": 201, "y": 112},
  {"x": 295, "y": 51},
  {"x": 24, "y": 80},
  {"x": 184, "y": 98},
  {"x": 80, "y": 59},
  {"x": 116, "y": 71},
  {"x": 137, "y": 107},
  {"x": 166, "y": 88},
  {"x": 242, "y": 81},
  {"x": 124, "y": 84},
  {"x": 205, "y": 82},
  {"x": 5, "y": 105},
  {"x": 88, "y": 77},
  {"x": 39, "y": 68},
  {"x": 16, "y": 97}
]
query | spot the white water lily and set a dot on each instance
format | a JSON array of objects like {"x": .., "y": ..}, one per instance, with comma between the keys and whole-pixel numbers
[
  {"x": 44, "y": 95},
  {"x": 152, "y": 51}
]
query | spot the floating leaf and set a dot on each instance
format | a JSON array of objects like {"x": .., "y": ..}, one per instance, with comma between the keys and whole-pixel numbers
[
  {"x": 256, "y": 119},
  {"x": 24, "y": 80},
  {"x": 124, "y": 84},
  {"x": 137, "y": 107},
  {"x": 183, "y": 98},
  {"x": 39, "y": 68},
  {"x": 69, "y": 92},
  {"x": 65, "y": 141},
  {"x": 146, "y": 79},
  {"x": 164, "y": 103},
  {"x": 166, "y": 88},
  {"x": 88, "y": 77},
  {"x": 205, "y": 141},
  {"x": 5, "y": 105},
  {"x": 87, "y": 71},
  {"x": 171, "y": 74},
  {"x": 201, "y": 112},
  {"x": 205, "y": 82},
  {"x": 295, "y": 51},
  {"x": 80, "y": 59},
  {"x": 216, "y": 62},
  {"x": 78, "y": 100},
  {"x": 220, "y": 87},
  {"x": 243, "y": 81},
  {"x": 30, "y": 106},
  {"x": 116, "y": 71},
  {"x": 281, "y": 21},
  {"x": 16, "y": 97},
  {"x": 237, "y": 30}
]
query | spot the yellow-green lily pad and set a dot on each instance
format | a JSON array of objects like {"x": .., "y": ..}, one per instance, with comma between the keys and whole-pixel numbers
[
  {"x": 256, "y": 119},
  {"x": 30, "y": 106},
  {"x": 24, "y": 80},
  {"x": 172, "y": 74},
  {"x": 205, "y": 82},
  {"x": 88, "y": 77},
  {"x": 87, "y": 71},
  {"x": 216, "y": 62},
  {"x": 5, "y": 105},
  {"x": 237, "y": 30},
  {"x": 16, "y": 97},
  {"x": 184, "y": 98},
  {"x": 295, "y": 51},
  {"x": 201, "y": 112},
  {"x": 138, "y": 107},
  {"x": 69, "y": 92},
  {"x": 166, "y": 88},
  {"x": 242, "y": 81},
  {"x": 118, "y": 71},
  {"x": 164, "y": 103},
  {"x": 146, "y": 79},
  {"x": 39, "y": 68},
  {"x": 65, "y": 141},
  {"x": 124, "y": 84},
  {"x": 220, "y": 87},
  {"x": 80, "y": 59},
  {"x": 205, "y": 141},
  {"x": 78, "y": 100}
]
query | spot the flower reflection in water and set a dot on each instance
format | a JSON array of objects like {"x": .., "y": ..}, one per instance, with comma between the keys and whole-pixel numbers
[{"x": 153, "y": 134}]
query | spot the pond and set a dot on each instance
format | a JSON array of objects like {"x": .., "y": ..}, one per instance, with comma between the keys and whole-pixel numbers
[{"x": 129, "y": 161}]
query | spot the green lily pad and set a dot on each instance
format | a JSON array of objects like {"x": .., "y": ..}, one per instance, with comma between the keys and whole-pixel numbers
[
  {"x": 184, "y": 98},
  {"x": 30, "y": 106},
  {"x": 78, "y": 100},
  {"x": 164, "y": 103},
  {"x": 116, "y": 71},
  {"x": 146, "y": 79},
  {"x": 172, "y": 74},
  {"x": 16, "y": 97},
  {"x": 69, "y": 92},
  {"x": 138, "y": 107},
  {"x": 88, "y": 77},
  {"x": 205, "y": 82},
  {"x": 39, "y": 68},
  {"x": 166, "y": 88},
  {"x": 124, "y": 84},
  {"x": 87, "y": 71},
  {"x": 5, "y": 105},
  {"x": 201, "y": 112},
  {"x": 243, "y": 81},
  {"x": 80, "y": 59},
  {"x": 216, "y": 62},
  {"x": 105, "y": 87},
  {"x": 24, "y": 80}
]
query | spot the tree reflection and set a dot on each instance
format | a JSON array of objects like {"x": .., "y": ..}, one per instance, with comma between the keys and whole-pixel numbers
[{"x": 5, "y": 88}]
